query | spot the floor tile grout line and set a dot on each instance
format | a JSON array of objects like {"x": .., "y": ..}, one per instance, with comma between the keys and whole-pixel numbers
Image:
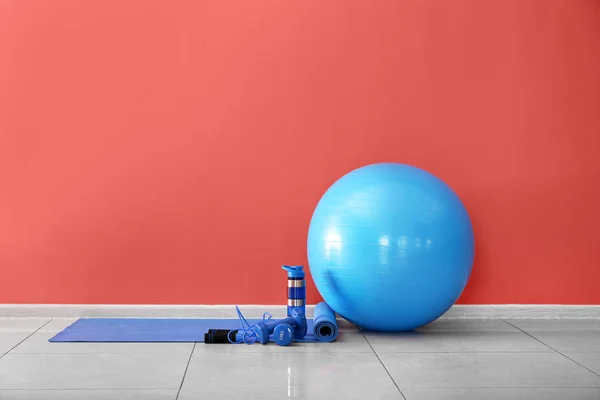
[
  {"x": 28, "y": 336},
  {"x": 545, "y": 344},
  {"x": 382, "y": 364},
  {"x": 185, "y": 372}
]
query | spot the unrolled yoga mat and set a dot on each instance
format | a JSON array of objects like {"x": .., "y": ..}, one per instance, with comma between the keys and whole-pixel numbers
[{"x": 175, "y": 330}]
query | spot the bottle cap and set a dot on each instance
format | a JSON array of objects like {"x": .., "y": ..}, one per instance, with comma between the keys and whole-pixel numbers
[{"x": 294, "y": 271}]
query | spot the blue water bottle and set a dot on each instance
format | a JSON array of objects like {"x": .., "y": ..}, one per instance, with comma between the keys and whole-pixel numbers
[{"x": 296, "y": 285}]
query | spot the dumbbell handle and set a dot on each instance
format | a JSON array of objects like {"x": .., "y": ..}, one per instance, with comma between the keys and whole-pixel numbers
[
  {"x": 264, "y": 330},
  {"x": 288, "y": 320}
]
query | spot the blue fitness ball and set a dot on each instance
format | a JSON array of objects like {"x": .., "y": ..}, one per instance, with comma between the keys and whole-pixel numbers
[{"x": 390, "y": 247}]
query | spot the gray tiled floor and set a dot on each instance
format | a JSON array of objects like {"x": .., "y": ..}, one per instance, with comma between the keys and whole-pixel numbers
[{"x": 448, "y": 359}]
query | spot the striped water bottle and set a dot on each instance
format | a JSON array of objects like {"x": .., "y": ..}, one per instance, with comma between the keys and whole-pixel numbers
[{"x": 296, "y": 285}]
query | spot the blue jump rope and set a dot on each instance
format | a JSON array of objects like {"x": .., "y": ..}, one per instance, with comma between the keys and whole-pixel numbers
[{"x": 283, "y": 332}]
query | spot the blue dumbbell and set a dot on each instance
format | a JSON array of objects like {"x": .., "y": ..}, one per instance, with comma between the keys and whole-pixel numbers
[{"x": 293, "y": 327}]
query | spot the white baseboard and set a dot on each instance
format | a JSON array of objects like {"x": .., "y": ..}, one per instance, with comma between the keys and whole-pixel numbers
[
  {"x": 524, "y": 311},
  {"x": 509, "y": 311}
]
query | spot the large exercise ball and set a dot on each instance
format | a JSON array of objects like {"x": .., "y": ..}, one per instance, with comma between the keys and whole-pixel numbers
[{"x": 390, "y": 247}]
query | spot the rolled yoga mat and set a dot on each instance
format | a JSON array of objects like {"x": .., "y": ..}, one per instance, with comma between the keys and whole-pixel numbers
[{"x": 325, "y": 327}]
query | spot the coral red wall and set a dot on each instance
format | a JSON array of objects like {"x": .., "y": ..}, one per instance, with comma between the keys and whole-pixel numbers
[{"x": 159, "y": 151}]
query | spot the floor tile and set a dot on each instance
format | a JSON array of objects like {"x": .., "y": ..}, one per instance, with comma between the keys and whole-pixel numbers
[
  {"x": 38, "y": 344},
  {"x": 486, "y": 370},
  {"x": 564, "y": 335},
  {"x": 8, "y": 340},
  {"x": 346, "y": 342},
  {"x": 447, "y": 359},
  {"x": 488, "y": 325},
  {"x": 454, "y": 341},
  {"x": 57, "y": 325},
  {"x": 588, "y": 360},
  {"x": 258, "y": 392},
  {"x": 346, "y": 325},
  {"x": 92, "y": 371},
  {"x": 503, "y": 394},
  {"x": 569, "y": 340},
  {"x": 168, "y": 394},
  {"x": 278, "y": 375},
  {"x": 22, "y": 324},
  {"x": 556, "y": 324}
]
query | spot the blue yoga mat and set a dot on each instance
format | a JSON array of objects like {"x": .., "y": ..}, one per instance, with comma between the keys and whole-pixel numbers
[{"x": 172, "y": 330}]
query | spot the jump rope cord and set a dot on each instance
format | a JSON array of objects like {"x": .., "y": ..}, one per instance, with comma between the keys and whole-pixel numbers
[{"x": 248, "y": 331}]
